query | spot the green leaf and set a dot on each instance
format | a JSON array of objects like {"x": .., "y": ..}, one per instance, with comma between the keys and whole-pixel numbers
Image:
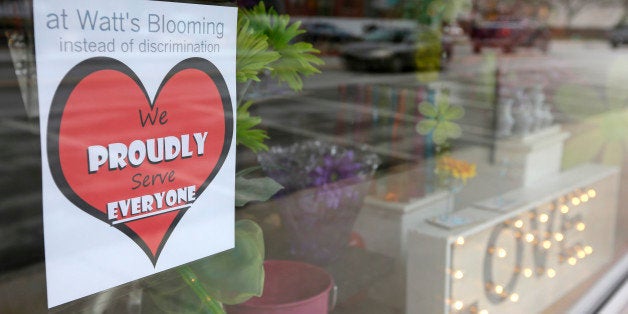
[
  {"x": 296, "y": 59},
  {"x": 425, "y": 126},
  {"x": 445, "y": 130},
  {"x": 236, "y": 275},
  {"x": 442, "y": 102},
  {"x": 168, "y": 293},
  {"x": 427, "y": 109},
  {"x": 454, "y": 112},
  {"x": 253, "y": 55},
  {"x": 246, "y": 132},
  {"x": 230, "y": 277},
  {"x": 439, "y": 136},
  {"x": 452, "y": 129},
  {"x": 248, "y": 170},
  {"x": 256, "y": 189}
]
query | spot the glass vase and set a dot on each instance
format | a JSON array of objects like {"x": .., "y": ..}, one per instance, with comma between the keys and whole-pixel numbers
[{"x": 324, "y": 187}]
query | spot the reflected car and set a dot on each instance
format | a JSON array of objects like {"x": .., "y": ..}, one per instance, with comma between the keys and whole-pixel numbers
[
  {"x": 619, "y": 34},
  {"x": 326, "y": 32},
  {"x": 508, "y": 34},
  {"x": 398, "y": 49}
]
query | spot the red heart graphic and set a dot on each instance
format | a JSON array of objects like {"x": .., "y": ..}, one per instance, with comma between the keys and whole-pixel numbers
[{"x": 131, "y": 163}]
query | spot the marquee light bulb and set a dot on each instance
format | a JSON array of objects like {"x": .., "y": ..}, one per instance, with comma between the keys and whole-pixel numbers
[
  {"x": 514, "y": 297},
  {"x": 499, "y": 289},
  {"x": 551, "y": 273},
  {"x": 588, "y": 249},
  {"x": 501, "y": 253},
  {"x": 458, "y": 305},
  {"x": 458, "y": 274},
  {"x": 592, "y": 193},
  {"x": 575, "y": 201},
  {"x": 580, "y": 226},
  {"x": 527, "y": 272},
  {"x": 584, "y": 198},
  {"x": 529, "y": 237},
  {"x": 572, "y": 261},
  {"x": 543, "y": 218},
  {"x": 564, "y": 209},
  {"x": 559, "y": 236},
  {"x": 518, "y": 223},
  {"x": 547, "y": 244},
  {"x": 460, "y": 241},
  {"x": 483, "y": 312},
  {"x": 581, "y": 254}
]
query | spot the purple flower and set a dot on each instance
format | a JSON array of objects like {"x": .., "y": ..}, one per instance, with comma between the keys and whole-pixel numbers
[
  {"x": 335, "y": 168},
  {"x": 316, "y": 164}
]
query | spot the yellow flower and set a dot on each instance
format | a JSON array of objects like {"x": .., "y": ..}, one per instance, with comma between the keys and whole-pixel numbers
[{"x": 456, "y": 168}]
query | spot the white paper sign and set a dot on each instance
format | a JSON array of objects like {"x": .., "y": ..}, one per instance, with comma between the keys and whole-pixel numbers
[{"x": 136, "y": 103}]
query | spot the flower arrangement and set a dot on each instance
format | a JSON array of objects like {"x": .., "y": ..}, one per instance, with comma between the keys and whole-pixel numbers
[
  {"x": 316, "y": 164},
  {"x": 452, "y": 174},
  {"x": 455, "y": 168},
  {"x": 324, "y": 186},
  {"x": 439, "y": 125}
]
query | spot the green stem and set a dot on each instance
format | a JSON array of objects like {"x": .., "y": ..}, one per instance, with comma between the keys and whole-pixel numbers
[
  {"x": 190, "y": 278},
  {"x": 243, "y": 92}
]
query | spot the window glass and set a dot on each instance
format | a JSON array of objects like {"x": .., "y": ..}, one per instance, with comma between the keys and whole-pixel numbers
[{"x": 418, "y": 156}]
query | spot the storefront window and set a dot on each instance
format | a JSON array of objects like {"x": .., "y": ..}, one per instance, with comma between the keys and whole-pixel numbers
[{"x": 418, "y": 156}]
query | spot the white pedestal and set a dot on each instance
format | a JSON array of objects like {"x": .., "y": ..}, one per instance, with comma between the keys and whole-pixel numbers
[
  {"x": 384, "y": 227},
  {"x": 522, "y": 255},
  {"x": 534, "y": 156}
]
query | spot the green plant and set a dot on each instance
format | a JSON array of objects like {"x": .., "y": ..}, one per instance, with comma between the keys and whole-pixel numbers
[
  {"x": 230, "y": 277},
  {"x": 265, "y": 44}
]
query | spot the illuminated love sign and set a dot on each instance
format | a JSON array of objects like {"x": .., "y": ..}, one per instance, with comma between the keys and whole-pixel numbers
[
  {"x": 526, "y": 253},
  {"x": 550, "y": 232}
]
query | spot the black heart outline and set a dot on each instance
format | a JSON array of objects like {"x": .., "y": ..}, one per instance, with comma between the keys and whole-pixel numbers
[{"x": 86, "y": 68}]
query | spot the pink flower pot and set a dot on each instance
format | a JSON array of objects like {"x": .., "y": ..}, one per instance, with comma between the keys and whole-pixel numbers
[{"x": 290, "y": 287}]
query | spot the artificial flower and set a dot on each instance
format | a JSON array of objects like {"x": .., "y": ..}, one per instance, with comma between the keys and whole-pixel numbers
[
  {"x": 456, "y": 168},
  {"x": 438, "y": 122}
]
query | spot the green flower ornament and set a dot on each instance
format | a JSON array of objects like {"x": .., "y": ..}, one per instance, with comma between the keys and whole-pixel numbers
[{"x": 438, "y": 119}]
